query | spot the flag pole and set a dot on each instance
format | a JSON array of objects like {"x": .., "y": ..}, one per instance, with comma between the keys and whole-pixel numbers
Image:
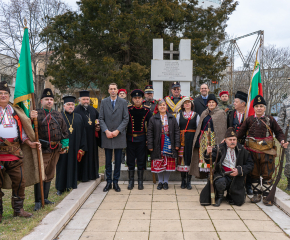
[{"x": 35, "y": 122}]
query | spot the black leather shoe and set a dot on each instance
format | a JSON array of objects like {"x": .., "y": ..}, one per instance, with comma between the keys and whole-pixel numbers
[
  {"x": 165, "y": 186},
  {"x": 116, "y": 187},
  {"x": 47, "y": 202},
  {"x": 107, "y": 187},
  {"x": 59, "y": 193},
  {"x": 160, "y": 186}
]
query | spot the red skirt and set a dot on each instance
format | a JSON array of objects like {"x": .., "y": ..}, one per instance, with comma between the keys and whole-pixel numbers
[{"x": 165, "y": 163}]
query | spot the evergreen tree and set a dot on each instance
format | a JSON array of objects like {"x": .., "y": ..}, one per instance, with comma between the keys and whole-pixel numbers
[{"x": 111, "y": 40}]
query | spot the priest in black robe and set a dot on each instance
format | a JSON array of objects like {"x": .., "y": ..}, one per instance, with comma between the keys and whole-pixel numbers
[
  {"x": 66, "y": 168},
  {"x": 88, "y": 168}
]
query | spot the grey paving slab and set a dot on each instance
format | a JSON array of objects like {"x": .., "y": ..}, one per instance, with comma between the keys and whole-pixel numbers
[
  {"x": 200, "y": 236},
  {"x": 270, "y": 236},
  {"x": 197, "y": 225},
  {"x": 131, "y": 236},
  {"x": 81, "y": 219},
  {"x": 236, "y": 236},
  {"x": 98, "y": 235},
  {"x": 108, "y": 214},
  {"x": 134, "y": 225},
  {"x": 278, "y": 216},
  {"x": 172, "y": 214},
  {"x": 166, "y": 235},
  {"x": 165, "y": 226},
  {"x": 70, "y": 235}
]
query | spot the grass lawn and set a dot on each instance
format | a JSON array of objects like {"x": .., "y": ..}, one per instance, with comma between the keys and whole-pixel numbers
[{"x": 16, "y": 227}]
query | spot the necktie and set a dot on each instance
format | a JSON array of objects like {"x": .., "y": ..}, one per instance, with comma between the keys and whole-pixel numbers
[{"x": 113, "y": 104}]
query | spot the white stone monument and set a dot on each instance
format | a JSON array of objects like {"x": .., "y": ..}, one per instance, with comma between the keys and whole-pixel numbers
[{"x": 171, "y": 70}]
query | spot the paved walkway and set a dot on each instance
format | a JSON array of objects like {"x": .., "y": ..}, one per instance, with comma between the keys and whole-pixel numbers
[{"x": 164, "y": 215}]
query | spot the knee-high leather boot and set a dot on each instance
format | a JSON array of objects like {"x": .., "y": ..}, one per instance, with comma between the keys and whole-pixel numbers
[
  {"x": 188, "y": 184},
  {"x": 37, "y": 197},
  {"x": 17, "y": 205},
  {"x": 131, "y": 179},
  {"x": 140, "y": 179},
  {"x": 220, "y": 196},
  {"x": 183, "y": 180},
  {"x": 46, "y": 188}
]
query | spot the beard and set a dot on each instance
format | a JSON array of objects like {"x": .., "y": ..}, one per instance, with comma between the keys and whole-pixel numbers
[{"x": 85, "y": 105}]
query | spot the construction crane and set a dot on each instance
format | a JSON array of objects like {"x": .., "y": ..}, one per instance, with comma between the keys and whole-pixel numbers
[{"x": 230, "y": 52}]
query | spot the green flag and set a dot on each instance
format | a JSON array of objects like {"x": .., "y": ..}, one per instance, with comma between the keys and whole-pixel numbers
[{"x": 24, "y": 79}]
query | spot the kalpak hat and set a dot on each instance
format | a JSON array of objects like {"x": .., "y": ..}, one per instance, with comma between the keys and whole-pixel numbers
[
  {"x": 212, "y": 97},
  {"x": 230, "y": 132},
  {"x": 241, "y": 95},
  {"x": 47, "y": 93},
  {"x": 4, "y": 86},
  {"x": 259, "y": 100}
]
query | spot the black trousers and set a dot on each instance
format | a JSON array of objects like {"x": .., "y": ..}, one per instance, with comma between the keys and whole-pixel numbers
[
  {"x": 118, "y": 160},
  {"x": 136, "y": 150},
  {"x": 223, "y": 183}
]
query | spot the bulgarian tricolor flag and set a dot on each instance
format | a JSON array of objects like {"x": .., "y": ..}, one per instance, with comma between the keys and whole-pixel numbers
[{"x": 255, "y": 86}]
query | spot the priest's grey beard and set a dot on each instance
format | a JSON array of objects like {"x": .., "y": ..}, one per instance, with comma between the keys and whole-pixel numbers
[{"x": 85, "y": 105}]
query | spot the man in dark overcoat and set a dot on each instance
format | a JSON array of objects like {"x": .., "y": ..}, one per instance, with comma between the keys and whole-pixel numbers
[
  {"x": 200, "y": 102},
  {"x": 233, "y": 163},
  {"x": 114, "y": 119}
]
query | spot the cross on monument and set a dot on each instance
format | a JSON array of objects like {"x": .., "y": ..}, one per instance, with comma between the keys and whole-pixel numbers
[
  {"x": 171, "y": 52},
  {"x": 171, "y": 70}
]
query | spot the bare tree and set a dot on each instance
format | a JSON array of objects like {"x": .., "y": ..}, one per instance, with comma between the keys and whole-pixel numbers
[
  {"x": 275, "y": 72},
  {"x": 37, "y": 13}
]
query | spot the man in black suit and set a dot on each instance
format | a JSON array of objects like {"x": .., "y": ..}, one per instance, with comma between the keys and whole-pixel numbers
[{"x": 201, "y": 101}]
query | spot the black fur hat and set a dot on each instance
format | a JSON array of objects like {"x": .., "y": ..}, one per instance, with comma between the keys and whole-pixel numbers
[
  {"x": 259, "y": 100},
  {"x": 4, "y": 86},
  {"x": 47, "y": 93}
]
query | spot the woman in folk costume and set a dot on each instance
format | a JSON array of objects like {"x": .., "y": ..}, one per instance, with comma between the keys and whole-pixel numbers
[
  {"x": 188, "y": 121},
  {"x": 216, "y": 119},
  {"x": 163, "y": 142}
]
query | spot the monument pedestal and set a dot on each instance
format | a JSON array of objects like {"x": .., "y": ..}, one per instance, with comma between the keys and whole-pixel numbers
[{"x": 171, "y": 70}]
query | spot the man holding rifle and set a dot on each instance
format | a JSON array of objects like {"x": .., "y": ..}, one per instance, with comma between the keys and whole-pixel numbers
[
  {"x": 232, "y": 163},
  {"x": 259, "y": 129}
]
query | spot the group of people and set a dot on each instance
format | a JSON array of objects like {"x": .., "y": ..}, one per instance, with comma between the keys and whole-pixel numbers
[{"x": 178, "y": 132}]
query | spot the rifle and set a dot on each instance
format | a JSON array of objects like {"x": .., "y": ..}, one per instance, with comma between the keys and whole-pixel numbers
[
  {"x": 212, "y": 195},
  {"x": 272, "y": 192}
]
